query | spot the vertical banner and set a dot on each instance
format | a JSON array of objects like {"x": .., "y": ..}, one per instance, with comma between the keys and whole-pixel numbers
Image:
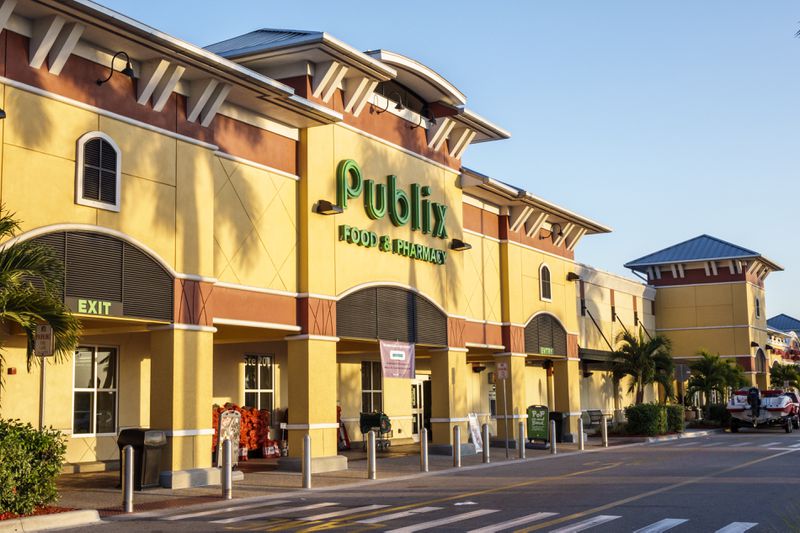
[{"x": 397, "y": 359}]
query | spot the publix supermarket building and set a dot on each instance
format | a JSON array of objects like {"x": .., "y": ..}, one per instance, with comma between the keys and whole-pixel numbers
[{"x": 247, "y": 222}]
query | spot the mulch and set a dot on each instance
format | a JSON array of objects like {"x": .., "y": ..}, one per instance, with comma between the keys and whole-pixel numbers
[{"x": 47, "y": 509}]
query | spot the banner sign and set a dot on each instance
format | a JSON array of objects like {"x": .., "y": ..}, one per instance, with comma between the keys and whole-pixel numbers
[
  {"x": 230, "y": 424},
  {"x": 538, "y": 421},
  {"x": 397, "y": 359},
  {"x": 475, "y": 431}
]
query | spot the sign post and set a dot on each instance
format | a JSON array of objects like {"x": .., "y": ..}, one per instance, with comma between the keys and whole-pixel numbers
[
  {"x": 43, "y": 346},
  {"x": 502, "y": 374}
]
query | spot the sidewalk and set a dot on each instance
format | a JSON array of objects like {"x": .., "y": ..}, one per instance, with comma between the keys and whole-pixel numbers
[{"x": 261, "y": 477}]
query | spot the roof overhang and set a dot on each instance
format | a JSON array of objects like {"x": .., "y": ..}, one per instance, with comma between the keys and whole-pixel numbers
[
  {"x": 424, "y": 81},
  {"x": 643, "y": 266}
]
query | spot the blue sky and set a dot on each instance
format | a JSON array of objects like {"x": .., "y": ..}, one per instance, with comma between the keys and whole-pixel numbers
[{"x": 662, "y": 119}]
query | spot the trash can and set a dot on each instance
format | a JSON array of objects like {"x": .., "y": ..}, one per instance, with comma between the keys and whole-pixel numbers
[
  {"x": 147, "y": 447},
  {"x": 558, "y": 416}
]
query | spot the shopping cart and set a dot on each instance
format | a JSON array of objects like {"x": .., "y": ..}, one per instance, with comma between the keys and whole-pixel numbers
[{"x": 380, "y": 424}]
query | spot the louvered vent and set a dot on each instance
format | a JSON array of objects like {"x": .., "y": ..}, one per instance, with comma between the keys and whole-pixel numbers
[
  {"x": 54, "y": 241},
  {"x": 390, "y": 313},
  {"x": 102, "y": 267},
  {"x": 545, "y": 331},
  {"x": 100, "y": 171}
]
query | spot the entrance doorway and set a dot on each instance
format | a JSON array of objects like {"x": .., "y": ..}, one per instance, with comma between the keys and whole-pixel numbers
[{"x": 420, "y": 406}]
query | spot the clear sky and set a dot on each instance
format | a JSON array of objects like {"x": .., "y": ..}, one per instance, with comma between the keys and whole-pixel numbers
[{"x": 663, "y": 119}]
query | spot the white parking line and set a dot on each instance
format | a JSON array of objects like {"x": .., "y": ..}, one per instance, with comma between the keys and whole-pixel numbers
[
  {"x": 737, "y": 527},
  {"x": 767, "y": 445},
  {"x": 272, "y": 513},
  {"x": 345, "y": 512},
  {"x": 740, "y": 444},
  {"x": 443, "y": 521},
  {"x": 684, "y": 445},
  {"x": 396, "y": 516},
  {"x": 662, "y": 525},
  {"x": 710, "y": 444},
  {"x": 513, "y": 523},
  {"x": 224, "y": 510},
  {"x": 586, "y": 524},
  {"x": 795, "y": 445}
]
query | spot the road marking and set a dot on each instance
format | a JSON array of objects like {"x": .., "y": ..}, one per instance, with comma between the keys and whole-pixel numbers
[
  {"x": 586, "y": 524},
  {"x": 662, "y": 525},
  {"x": 795, "y": 445},
  {"x": 740, "y": 444},
  {"x": 737, "y": 527},
  {"x": 625, "y": 501},
  {"x": 224, "y": 510},
  {"x": 443, "y": 521},
  {"x": 521, "y": 521},
  {"x": 272, "y": 513},
  {"x": 345, "y": 512},
  {"x": 710, "y": 444},
  {"x": 767, "y": 445},
  {"x": 396, "y": 516},
  {"x": 685, "y": 445}
]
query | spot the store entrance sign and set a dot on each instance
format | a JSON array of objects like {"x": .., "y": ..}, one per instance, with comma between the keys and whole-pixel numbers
[
  {"x": 89, "y": 306},
  {"x": 397, "y": 359},
  {"x": 382, "y": 199}
]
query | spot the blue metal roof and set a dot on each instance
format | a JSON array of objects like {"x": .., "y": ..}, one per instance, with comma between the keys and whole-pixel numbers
[
  {"x": 785, "y": 323},
  {"x": 261, "y": 40},
  {"x": 702, "y": 248}
]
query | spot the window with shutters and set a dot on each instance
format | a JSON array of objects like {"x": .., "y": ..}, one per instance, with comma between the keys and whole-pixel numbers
[
  {"x": 98, "y": 172},
  {"x": 545, "y": 292}
]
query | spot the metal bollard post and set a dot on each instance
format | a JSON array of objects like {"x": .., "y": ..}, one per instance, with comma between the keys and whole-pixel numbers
[
  {"x": 521, "y": 440},
  {"x": 307, "y": 462},
  {"x": 423, "y": 450},
  {"x": 457, "y": 446},
  {"x": 127, "y": 479},
  {"x": 486, "y": 443},
  {"x": 553, "y": 450},
  {"x": 371, "y": 459},
  {"x": 227, "y": 474},
  {"x": 581, "y": 440},
  {"x": 604, "y": 430}
]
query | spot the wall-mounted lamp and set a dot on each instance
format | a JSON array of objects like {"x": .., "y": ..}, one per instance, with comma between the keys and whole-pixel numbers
[
  {"x": 399, "y": 105},
  {"x": 128, "y": 70},
  {"x": 459, "y": 246},
  {"x": 324, "y": 207},
  {"x": 754, "y": 344},
  {"x": 572, "y": 276},
  {"x": 478, "y": 368},
  {"x": 555, "y": 231}
]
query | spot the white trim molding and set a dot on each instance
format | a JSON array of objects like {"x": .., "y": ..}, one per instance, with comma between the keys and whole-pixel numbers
[
  {"x": 510, "y": 417},
  {"x": 188, "y": 432},
  {"x": 183, "y": 327},
  {"x": 325, "y": 425},
  {"x": 307, "y": 337},
  {"x": 446, "y": 420},
  {"x": 259, "y": 166},
  {"x": 255, "y": 324},
  {"x": 80, "y": 162}
]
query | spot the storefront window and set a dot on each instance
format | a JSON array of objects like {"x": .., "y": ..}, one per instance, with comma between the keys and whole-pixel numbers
[
  {"x": 94, "y": 410},
  {"x": 371, "y": 387},
  {"x": 259, "y": 383}
]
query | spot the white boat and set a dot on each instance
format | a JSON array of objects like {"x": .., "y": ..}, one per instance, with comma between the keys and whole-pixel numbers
[{"x": 755, "y": 408}]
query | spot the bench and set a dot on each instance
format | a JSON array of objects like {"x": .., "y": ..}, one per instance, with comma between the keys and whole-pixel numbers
[{"x": 596, "y": 418}]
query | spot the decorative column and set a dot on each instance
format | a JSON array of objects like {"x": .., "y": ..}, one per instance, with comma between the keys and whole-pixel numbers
[
  {"x": 448, "y": 398},
  {"x": 567, "y": 380}
]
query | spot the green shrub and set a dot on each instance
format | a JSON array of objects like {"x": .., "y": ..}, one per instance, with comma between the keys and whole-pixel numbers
[
  {"x": 30, "y": 462},
  {"x": 646, "y": 419},
  {"x": 675, "y": 418},
  {"x": 719, "y": 413}
]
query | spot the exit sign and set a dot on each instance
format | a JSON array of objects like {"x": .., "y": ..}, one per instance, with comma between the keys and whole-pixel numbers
[{"x": 91, "y": 306}]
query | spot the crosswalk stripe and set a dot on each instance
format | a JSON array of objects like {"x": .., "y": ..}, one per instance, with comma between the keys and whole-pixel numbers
[
  {"x": 737, "y": 527},
  {"x": 586, "y": 524},
  {"x": 767, "y": 445},
  {"x": 795, "y": 445},
  {"x": 345, "y": 512},
  {"x": 396, "y": 516},
  {"x": 739, "y": 445},
  {"x": 272, "y": 513},
  {"x": 710, "y": 444},
  {"x": 513, "y": 523},
  {"x": 662, "y": 525},
  {"x": 224, "y": 510},
  {"x": 443, "y": 521}
]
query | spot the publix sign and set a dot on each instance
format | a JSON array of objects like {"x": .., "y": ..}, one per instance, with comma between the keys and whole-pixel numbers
[{"x": 412, "y": 207}]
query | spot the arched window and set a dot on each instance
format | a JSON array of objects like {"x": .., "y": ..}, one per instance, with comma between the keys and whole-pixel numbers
[
  {"x": 98, "y": 172},
  {"x": 545, "y": 292}
]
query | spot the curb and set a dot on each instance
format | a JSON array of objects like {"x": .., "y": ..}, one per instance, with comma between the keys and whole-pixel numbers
[
  {"x": 691, "y": 435},
  {"x": 50, "y": 521}
]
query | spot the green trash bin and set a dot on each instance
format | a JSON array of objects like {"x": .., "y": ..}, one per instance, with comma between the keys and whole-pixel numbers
[{"x": 538, "y": 425}]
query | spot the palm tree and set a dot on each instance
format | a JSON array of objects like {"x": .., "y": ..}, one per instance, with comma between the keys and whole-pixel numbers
[
  {"x": 646, "y": 361},
  {"x": 710, "y": 373},
  {"x": 784, "y": 375},
  {"x": 31, "y": 288}
]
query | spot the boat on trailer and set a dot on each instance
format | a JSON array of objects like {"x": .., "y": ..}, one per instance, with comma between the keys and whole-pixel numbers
[{"x": 756, "y": 408}]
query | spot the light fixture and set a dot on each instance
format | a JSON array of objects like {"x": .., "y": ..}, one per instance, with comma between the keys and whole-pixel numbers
[
  {"x": 572, "y": 276},
  {"x": 128, "y": 70},
  {"x": 459, "y": 246},
  {"x": 2, "y": 114},
  {"x": 555, "y": 231},
  {"x": 478, "y": 368},
  {"x": 754, "y": 344},
  {"x": 399, "y": 105},
  {"x": 324, "y": 207}
]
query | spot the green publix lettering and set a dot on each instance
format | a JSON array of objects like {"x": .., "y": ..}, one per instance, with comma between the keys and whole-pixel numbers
[{"x": 380, "y": 199}]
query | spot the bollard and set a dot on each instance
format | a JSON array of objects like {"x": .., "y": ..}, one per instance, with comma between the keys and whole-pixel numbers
[
  {"x": 227, "y": 474},
  {"x": 486, "y": 443},
  {"x": 521, "y": 440},
  {"x": 127, "y": 479},
  {"x": 371, "y": 460},
  {"x": 604, "y": 430},
  {"x": 457, "y": 446},
  {"x": 307, "y": 462},
  {"x": 423, "y": 450},
  {"x": 553, "y": 450},
  {"x": 581, "y": 441}
]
